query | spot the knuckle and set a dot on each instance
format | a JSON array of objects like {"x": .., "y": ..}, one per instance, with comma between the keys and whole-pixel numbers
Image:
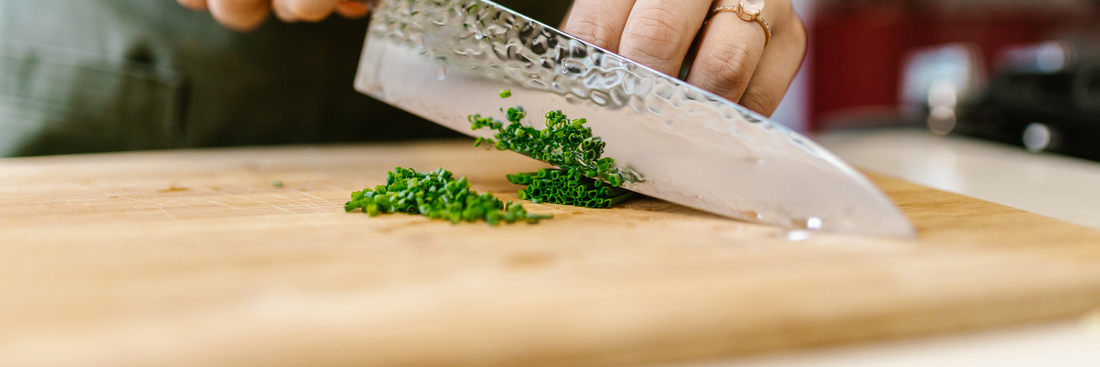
[
  {"x": 654, "y": 33},
  {"x": 598, "y": 33},
  {"x": 725, "y": 68}
]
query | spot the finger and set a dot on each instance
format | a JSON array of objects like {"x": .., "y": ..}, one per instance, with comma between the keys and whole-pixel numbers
[
  {"x": 600, "y": 22},
  {"x": 568, "y": 13},
  {"x": 729, "y": 51},
  {"x": 307, "y": 10},
  {"x": 352, "y": 9},
  {"x": 660, "y": 32},
  {"x": 778, "y": 67},
  {"x": 239, "y": 15},
  {"x": 282, "y": 12},
  {"x": 193, "y": 4}
]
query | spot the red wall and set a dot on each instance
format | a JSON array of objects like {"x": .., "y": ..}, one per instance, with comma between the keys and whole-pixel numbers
[{"x": 858, "y": 50}]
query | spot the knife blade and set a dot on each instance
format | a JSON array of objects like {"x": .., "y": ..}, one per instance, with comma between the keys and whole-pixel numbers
[{"x": 447, "y": 59}]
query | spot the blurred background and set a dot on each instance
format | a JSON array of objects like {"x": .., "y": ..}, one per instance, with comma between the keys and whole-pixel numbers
[
  {"x": 1021, "y": 72},
  {"x": 994, "y": 99},
  {"x": 108, "y": 75}
]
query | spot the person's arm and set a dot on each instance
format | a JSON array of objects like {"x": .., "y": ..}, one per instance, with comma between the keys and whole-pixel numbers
[{"x": 730, "y": 59}]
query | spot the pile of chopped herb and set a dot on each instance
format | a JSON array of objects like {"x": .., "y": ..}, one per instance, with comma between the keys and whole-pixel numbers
[
  {"x": 568, "y": 186},
  {"x": 437, "y": 195},
  {"x": 585, "y": 178}
]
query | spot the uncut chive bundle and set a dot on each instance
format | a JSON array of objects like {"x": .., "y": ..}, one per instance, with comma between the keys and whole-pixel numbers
[
  {"x": 570, "y": 187},
  {"x": 436, "y": 195}
]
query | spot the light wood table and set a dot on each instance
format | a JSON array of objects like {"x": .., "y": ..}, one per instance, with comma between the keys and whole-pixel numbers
[{"x": 194, "y": 258}]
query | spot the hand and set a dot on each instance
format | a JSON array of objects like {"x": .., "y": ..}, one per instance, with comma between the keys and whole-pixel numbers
[
  {"x": 730, "y": 58},
  {"x": 246, "y": 15}
]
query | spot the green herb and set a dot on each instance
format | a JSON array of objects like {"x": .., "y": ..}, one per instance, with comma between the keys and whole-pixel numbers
[
  {"x": 436, "y": 195},
  {"x": 568, "y": 186},
  {"x": 564, "y": 143},
  {"x": 506, "y": 93},
  {"x": 277, "y": 184},
  {"x": 586, "y": 178}
]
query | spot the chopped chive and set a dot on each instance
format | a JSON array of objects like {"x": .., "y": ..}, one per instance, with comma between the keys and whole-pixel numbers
[
  {"x": 584, "y": 177},
  {"x": 563, "y": 143},
  {"x": 436, "y": 195},
  {"x": 567, "y": 186}
]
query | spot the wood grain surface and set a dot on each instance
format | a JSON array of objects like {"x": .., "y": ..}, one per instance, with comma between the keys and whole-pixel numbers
[{"x": 194, "y": 258}]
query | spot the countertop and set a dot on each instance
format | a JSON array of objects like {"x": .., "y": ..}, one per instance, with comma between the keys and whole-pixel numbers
[
  {"x": 1053, "y": 185},
  {"x": 1057, "y": 186}
]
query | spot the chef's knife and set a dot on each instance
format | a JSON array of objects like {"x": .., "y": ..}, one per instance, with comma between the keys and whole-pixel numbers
[{"x": 447, "y": 59}]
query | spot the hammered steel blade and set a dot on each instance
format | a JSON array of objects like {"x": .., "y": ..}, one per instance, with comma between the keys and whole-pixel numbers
[{"x": 447, "y": 59}]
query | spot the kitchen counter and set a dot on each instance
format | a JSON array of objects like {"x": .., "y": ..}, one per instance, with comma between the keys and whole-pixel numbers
[
  {"x": 1053, "y": 185},
  {"x": 196, "y": 258},
  {"x": 1061, "y": 187}
]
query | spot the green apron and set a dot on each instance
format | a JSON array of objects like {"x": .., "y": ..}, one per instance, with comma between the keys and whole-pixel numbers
[{"x": 82, "y": 76}]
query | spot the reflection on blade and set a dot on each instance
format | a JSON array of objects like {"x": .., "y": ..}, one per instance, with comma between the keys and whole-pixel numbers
[{"x": 447, "y": 59}]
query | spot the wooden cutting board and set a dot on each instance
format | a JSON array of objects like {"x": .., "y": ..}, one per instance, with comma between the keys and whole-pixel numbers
[{"x": 194, "y": 258}]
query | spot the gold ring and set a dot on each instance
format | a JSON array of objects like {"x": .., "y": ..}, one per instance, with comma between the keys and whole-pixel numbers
[{"x": 739, "y": 9}]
